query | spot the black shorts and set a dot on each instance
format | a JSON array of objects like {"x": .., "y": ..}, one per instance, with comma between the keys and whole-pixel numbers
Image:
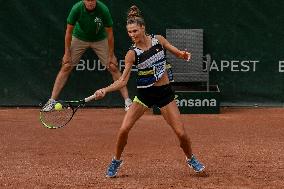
[{"x": 155, "y": 95}]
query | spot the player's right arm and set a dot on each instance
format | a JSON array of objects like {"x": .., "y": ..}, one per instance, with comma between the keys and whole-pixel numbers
[
  {"x": 68, "y": 39},
  {"x": 122, "y": 81}
]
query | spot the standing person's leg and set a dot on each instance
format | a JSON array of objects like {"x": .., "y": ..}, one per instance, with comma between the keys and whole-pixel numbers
[
  {"x": 133, "y": 114},
  {"x": 78, "y": 47},
  {"x": 61, "y": 79},
  {"x": 101, "y": 49},
  {"x": 172, "y": 115}
]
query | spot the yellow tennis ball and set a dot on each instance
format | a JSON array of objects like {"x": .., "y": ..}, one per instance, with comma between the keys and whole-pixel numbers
[{"x": 58, "y": 106}]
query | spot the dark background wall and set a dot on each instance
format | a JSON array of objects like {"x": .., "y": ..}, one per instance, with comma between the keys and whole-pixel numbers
[{"x": 244, "y": 38}]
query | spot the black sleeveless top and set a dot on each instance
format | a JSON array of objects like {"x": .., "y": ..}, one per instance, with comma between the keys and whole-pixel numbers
[{"x": 151, "y": 64}]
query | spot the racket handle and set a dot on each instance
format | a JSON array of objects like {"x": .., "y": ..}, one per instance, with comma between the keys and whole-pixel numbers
[{"x": 90, "y": 98}]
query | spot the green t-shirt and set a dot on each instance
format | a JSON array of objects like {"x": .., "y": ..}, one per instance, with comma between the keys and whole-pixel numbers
[{"x": 90, "y": 26}]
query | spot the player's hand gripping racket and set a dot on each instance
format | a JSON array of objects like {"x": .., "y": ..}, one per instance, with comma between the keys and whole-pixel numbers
[{"x": 62, "y": 113}]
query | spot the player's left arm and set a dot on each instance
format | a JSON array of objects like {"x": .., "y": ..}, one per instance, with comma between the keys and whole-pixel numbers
[{"x": 178, "y": 53}]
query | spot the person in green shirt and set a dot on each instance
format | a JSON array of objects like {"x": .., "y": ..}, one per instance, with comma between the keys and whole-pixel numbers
[{"x": 89, "y": 25}]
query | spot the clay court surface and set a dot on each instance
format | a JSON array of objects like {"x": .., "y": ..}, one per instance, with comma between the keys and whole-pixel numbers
[{"x": 242, "y": 148}]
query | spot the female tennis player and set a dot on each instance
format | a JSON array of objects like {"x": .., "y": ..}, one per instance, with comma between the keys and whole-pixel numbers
[{"x": 153, "y": 88}]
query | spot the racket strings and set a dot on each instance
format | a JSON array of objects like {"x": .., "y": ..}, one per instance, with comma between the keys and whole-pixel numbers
[{"x": 57, "y": 118}]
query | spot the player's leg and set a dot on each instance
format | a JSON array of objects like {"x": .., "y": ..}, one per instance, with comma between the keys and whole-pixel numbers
[
  {"x": 128, "y": 122},
  {"x": 133, "y": 114},
  {"x": 172, "y": 115},
  {"x": 101, "y": 49},
  {"x": 77, "y": 48}
]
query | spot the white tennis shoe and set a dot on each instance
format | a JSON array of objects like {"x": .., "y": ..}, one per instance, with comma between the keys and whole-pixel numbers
[
  {"x": 128, "y": 103},
  {"x": 49, "y": 105}
]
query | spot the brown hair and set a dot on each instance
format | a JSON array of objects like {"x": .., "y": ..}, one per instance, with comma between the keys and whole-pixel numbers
[{"x": 134, "y": 16}]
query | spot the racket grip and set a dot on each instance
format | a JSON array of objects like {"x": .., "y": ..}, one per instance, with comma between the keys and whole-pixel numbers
[{"x": 90, "y": 98}]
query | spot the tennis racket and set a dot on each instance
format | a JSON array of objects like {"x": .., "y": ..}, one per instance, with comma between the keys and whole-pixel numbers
[{"x": 59, "y": 117}]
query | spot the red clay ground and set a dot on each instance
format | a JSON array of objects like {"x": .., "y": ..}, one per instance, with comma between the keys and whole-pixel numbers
[{"x": 241, "y": 148}]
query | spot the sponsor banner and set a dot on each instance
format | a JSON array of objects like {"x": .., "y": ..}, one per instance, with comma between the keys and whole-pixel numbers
[
  {"x": 247, "y": 61},
  {"x": 197, "y": 102}
]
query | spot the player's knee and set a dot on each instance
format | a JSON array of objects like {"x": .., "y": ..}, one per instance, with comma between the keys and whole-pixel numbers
[
  {"x": 180, "y": 132},
  {"x": 123, "y": 132},
  {"x": 67, "y": 68}
]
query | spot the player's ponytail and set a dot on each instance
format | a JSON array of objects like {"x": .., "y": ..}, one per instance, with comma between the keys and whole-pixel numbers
[{"x": 134, "y": 16}]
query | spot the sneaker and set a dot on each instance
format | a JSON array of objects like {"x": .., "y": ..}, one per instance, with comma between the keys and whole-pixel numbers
[
  {"x": 113, "y": 168},
  {"x": 128, "y": 103},
  {"x": 49, "y": 105},
  {"x": 195, "y": 164}
]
